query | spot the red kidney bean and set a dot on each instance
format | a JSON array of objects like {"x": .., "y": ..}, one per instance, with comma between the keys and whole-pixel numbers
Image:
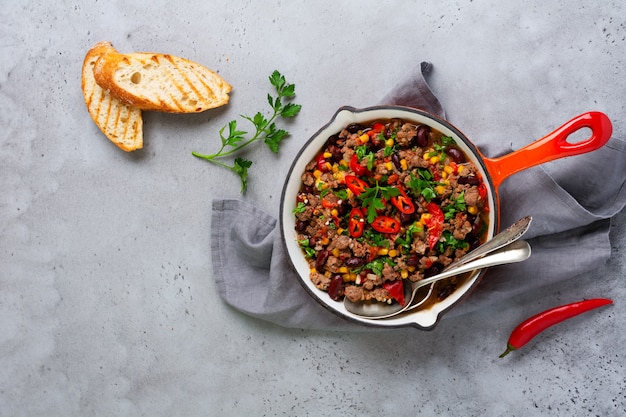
[
  {"x": 354, "y": 127},
  {"x": 355, "y": 262},
  {"x": 414, "y": 260},
  {"x": 335, "y": 289},
  {"x": 423, "y": 135},
  {"x": 321, "y": 259},
  {"x": 395, "y": 158},
  {"x": 470, "y": 180},
  {"x": 456, "y": 154},
  {"x": 301, "y": 226},
  {"x": 336, "y": 152}
]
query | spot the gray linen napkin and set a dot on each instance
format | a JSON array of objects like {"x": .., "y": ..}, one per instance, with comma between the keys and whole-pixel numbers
[{"x": 569, "y": 233}]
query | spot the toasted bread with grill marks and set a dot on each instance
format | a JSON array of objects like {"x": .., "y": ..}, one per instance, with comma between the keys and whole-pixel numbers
[
  {"x": 160, "y": 82},
  {"x": 120, "y": 122}
]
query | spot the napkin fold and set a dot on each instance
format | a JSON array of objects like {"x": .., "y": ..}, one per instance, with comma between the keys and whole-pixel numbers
[{"x": 572, "y": 204}]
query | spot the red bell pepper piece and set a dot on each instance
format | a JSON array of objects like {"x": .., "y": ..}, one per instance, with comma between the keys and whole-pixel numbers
[
  {"x": 376, "y": 129},
  {"x": 356, "y": 222},
  {"x": 355, "y": 184},
  {"x": 395, "y": 290},
  {"x": 402, "y": 202},
  {"x": 357, "y": 168},
  {"x": 385, "y": 224},
  {"x": 434, "y": 224}
]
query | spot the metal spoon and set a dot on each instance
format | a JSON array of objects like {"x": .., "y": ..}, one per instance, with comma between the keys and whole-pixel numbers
[
  {"x": 514, "y": 252},
  {"x": 502, "y": 239}
]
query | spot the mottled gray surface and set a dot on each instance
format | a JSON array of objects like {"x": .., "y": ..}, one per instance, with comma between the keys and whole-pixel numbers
[{"x": 107, "y": 304}]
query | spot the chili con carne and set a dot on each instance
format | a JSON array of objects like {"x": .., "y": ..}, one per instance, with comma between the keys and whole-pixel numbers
[{"x": 534, "y": 325}]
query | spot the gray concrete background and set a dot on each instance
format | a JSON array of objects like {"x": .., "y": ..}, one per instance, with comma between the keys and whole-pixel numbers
[{"x": 107, "y": 303}]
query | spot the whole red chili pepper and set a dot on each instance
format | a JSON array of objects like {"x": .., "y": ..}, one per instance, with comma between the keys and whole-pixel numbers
[{"x": 534, "y": 325}]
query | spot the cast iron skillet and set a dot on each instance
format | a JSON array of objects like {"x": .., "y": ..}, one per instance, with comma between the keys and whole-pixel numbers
[{"x": 493, "y": 170}]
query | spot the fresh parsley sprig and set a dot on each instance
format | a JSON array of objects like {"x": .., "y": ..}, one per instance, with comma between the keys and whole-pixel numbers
[
  {"x": 265, "y": 129},
  {"x": 372, "y": 199}
]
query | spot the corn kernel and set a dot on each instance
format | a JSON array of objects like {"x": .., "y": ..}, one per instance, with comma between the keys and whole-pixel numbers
[
  {"x": 472, "y": 210},
  {"x": 313, "y": 270},
  {"x": 382, "y": 252},
  {"x": 349, "y": 277},
  {"x": 343, "y": 270},
  {"x": 328, "y": 155},
  {"x": 411, "y": 268},
  {"x": 403, "y": 164},
  {"x": 446, "y": 182},
  {"x": 344, "y": 163},
  {"x": 460, "y": 168},
  {"x": 448, "y": 169},
  {"x": 444, "y": 174},
  {"x": 424, "y": 218},
  {"x": 325, "y": 240},
  {"x": 440, "y": 189},
  {"x": 335, "y": 252},
  {"x": 334, "y": 212},
  {"x": 340, "y": 231},
  {"x": 393, "y": 253},
  {"x": 435, "y": 159},
  {"x": 426, "y": 156},
  {"x": 389, "y": 165},
  {"x": 389, "y": 142},
  {"x": 404, "y": 274},
  {"x": 364, "y": 138},
  {"x": 317, "y": 173}
]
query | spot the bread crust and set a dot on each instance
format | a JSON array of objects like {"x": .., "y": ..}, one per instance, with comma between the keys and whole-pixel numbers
[
  {"x": 160, "y": 82},
  {"x": 121, "y": 123}
]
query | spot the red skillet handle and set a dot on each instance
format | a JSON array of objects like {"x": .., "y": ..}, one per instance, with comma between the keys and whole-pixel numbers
[{"x": 553, "y": 146}]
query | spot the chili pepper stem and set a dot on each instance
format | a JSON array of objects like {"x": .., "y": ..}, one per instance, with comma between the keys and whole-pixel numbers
[{"x": 509, "y": 348}]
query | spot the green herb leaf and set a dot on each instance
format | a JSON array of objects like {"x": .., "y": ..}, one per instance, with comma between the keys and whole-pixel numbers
[
  {"x": 241, "y": 169},
  {"x": 265, "y": 129}
]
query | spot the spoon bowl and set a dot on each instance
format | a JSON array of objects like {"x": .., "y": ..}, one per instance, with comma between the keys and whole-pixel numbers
[{"x": 517, "y": 251}]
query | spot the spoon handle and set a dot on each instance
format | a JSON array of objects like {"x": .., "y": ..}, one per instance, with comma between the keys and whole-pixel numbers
[
  {"x": 506, "y": 237},
  {"x": 501, "y": 257}
]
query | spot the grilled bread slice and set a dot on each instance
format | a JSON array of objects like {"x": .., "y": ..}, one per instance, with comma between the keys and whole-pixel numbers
[
  {"x": 161, "y": 82},
  {"x": 121, "y": 123}
]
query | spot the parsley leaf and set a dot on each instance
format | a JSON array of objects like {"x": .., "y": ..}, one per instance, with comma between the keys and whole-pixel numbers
[
  {"x": 372, "y": 199},
  {"x": 265, "y": 129},
  {"x": 423, "y": 184}
]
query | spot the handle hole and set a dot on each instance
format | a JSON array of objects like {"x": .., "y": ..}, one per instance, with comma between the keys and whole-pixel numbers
[{"x": 581, "y": 135}]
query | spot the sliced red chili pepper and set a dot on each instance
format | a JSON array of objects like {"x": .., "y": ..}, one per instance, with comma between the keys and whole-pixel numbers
[
  {"x": 534, "y": 325},
  {"x": 403, "y": 202},
  {"x": 395, "y": 290},
  {"x": 356, "y": 222},
  {"x": 355, "y": 184},
  {"x": 434, "y": 223},
  {"x": 322, "y": 164},
  {"x": 357, "y": 168},
  {"x": 385, "y": 224}
]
